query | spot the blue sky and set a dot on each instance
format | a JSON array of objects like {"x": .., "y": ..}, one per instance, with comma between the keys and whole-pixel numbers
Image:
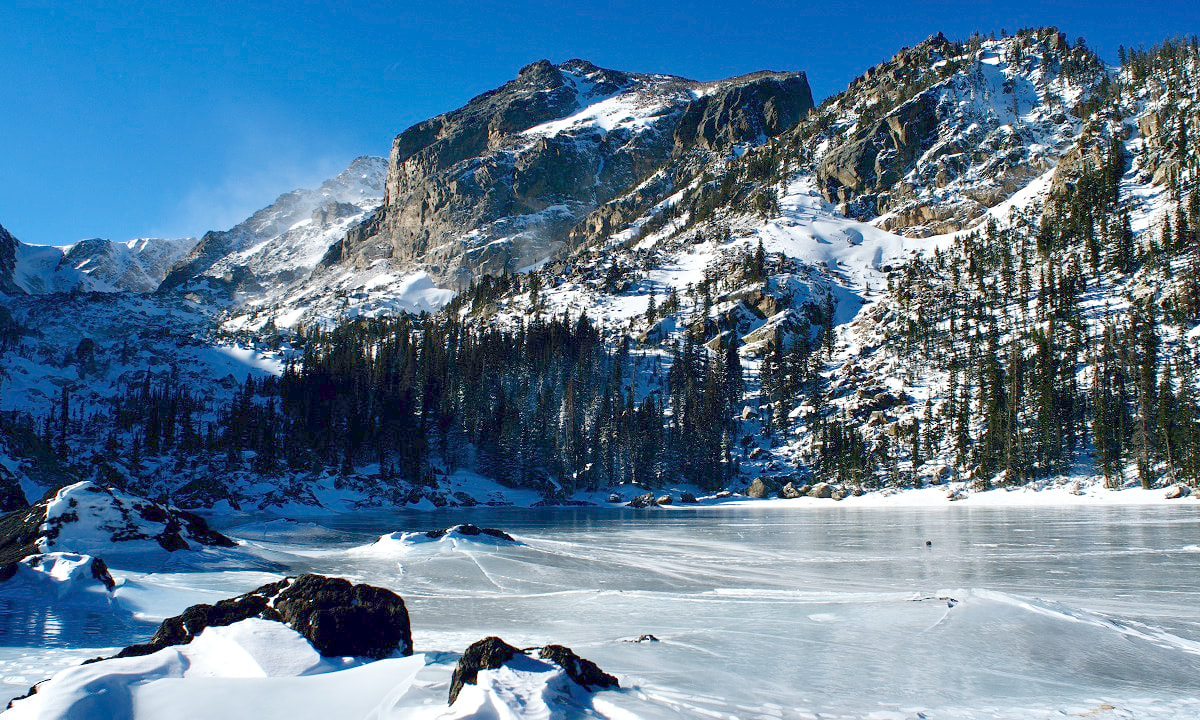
[{"x": 127, "y": 119}]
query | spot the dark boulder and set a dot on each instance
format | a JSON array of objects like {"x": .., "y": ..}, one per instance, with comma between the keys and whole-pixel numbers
[
  {"x": 687, "y": 497},
  {"x": 100, "y": 572},
  {"x": 643, "y": 501},
  {"x": 487, "y": 654},
  {"x": 336, "y": 616},
  {"x": 584, "y": 672},
  {"x": 492, "y": 653},
  {"x": 471, "y": 531}
]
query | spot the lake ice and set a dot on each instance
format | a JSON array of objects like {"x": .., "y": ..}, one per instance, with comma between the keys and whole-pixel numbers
[{"x": 760, "y": 611}]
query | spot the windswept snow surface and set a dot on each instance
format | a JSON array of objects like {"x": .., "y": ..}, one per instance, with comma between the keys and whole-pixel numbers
[{"x": 759, "y": 610}]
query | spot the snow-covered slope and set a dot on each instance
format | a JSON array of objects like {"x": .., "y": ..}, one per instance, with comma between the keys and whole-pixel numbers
[
  {"x": 137, "y": 265},
  {"x": 95, "y": 265},
  {"x": 282, "y": 242},
  {"x": 253, "y": 668},
  {"x": 932, "y": 138}
]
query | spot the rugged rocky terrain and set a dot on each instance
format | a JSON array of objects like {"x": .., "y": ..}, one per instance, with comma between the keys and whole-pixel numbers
[
  {"x": 499, "y": 184},
  {"x": 864, "y": 294}
]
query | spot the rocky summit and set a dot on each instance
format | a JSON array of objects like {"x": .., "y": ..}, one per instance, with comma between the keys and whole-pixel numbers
[{"x": 501, "y": 183}]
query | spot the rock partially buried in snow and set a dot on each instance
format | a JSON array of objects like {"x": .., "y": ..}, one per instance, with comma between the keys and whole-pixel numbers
[
  {"x": 492, "y": 653},
  {"x": 789, "y": 491},
  {"x": 90, "y": 518},
  {"x": 583, "y": 671},
  {"x": 337, "y": 617},
  {"x": 487, "y": 654},
  {"x": 451, "y": 537},
  {"x": 643, "y": 501},
  {"x": 1178, "y": 491},
  {"x": 469, "y": 530},
  {"x": 688, "y": 498},
  {"x": 821, "y": 490},
  {"x": 250, "y": 669}
]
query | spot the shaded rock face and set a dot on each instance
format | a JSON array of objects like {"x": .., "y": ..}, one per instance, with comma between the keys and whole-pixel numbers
[
  {"x": 12, "y": 497},
  {"x": 584, "y": 672},
  {"x": 875, "y": 159},
  {"x": 336, "y": 616},
  {"x": 499, "y": 184},
  {"x": 8, "y": 263},
  {"x": 492, "y": 653},
  {"x": 762, "y": 105}
]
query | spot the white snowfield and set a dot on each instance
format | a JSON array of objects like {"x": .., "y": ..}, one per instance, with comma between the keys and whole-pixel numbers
[{"x": 252, "y": 669}]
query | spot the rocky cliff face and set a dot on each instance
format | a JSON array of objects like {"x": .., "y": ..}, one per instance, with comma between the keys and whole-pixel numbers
[
  {"x": 499, "y": 184},
  {"x": 929, "y": 140},
  {"x": 8, "y": 263}
]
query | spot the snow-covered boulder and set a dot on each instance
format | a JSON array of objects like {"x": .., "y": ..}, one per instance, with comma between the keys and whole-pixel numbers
[
  {"x": 336, "y": 616},
  {"x": 59, "y": 577},
  {"x": 467, "y": 530},
  {"x": 519, "y": 674},
  {"x": 403, "y": 542},
  {"x": 821, "y": 490},
  {"x": 643, "y": 501},
  {"x": 97, "y": 520},
  {"x": 252, "y": 668}
]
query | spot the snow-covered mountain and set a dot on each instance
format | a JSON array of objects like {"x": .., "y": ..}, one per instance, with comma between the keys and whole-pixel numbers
[
  {"x": 507, "y": 182},
  {"x": 284, "y": 241},
  {"x": 499, "y": 184},
  {"x": 871, "y": 268},
  {"x": 95, "y": 265},
  {"x": 939, "y": 201}
]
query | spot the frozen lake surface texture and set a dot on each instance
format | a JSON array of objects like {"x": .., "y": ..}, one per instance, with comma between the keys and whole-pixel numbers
[{"x": 759, "y": 612}]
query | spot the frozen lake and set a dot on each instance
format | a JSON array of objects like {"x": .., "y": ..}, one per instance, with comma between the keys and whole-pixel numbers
[{"x": 760, "y": 611}]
